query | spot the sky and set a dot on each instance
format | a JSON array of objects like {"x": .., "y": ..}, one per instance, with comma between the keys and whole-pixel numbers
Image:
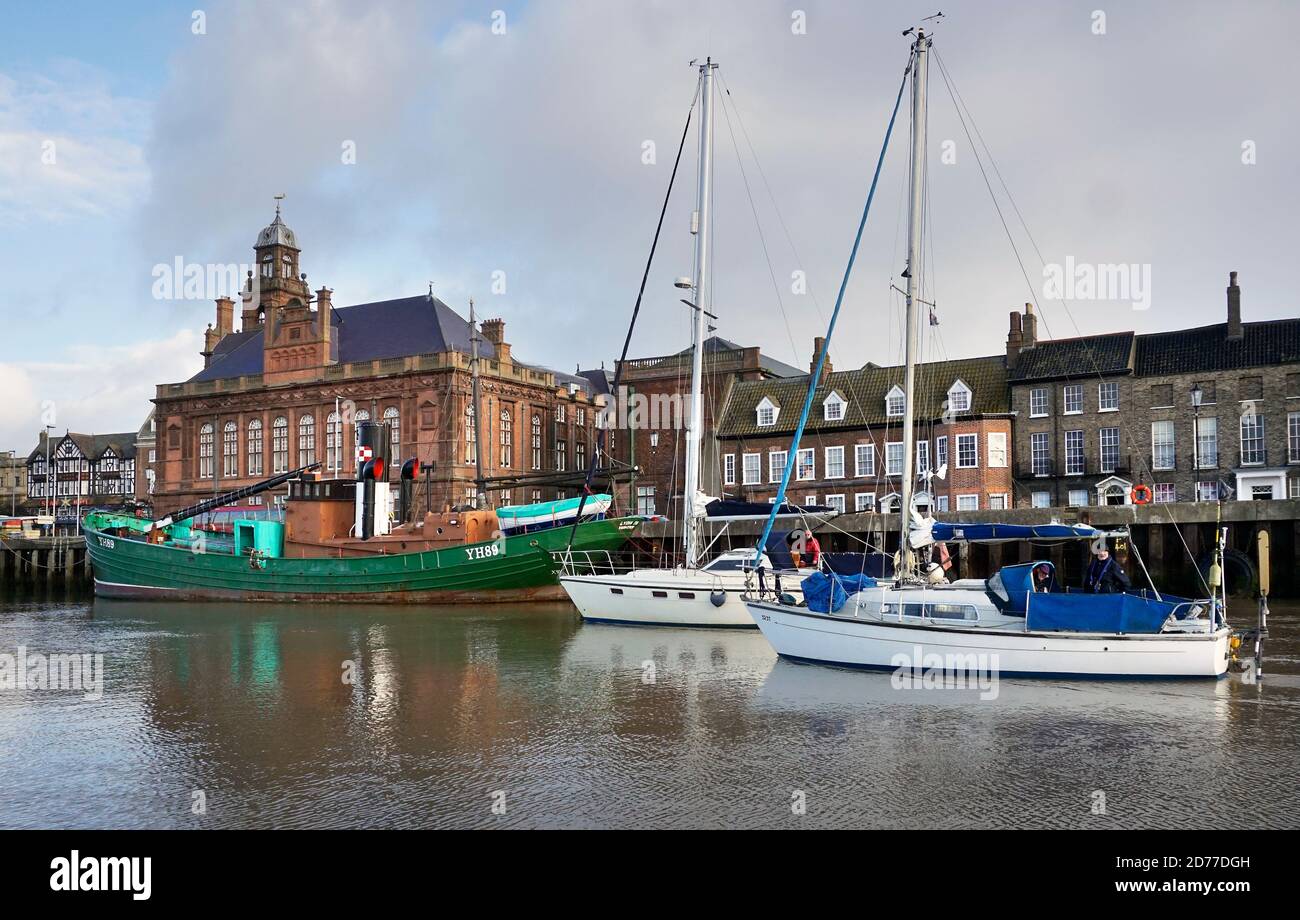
[{"x": 502, "y": 151}]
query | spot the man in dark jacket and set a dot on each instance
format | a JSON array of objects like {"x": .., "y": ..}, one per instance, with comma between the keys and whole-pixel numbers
[{"x": 1105, "y": 575}]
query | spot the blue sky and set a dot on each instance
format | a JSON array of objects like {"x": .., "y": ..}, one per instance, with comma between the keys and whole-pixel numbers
[{"x": 520, "y": 151}]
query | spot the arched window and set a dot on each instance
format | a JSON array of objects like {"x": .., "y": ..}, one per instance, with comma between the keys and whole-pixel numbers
[
  {"x": 334, "y": 442},
  {"x": 230, "y": 450},
  {"x": 507, "y": 439},
  {"x": 280, "y": 445},
  {"x": 471, "y": 445},
  {"x": 255, "y": 467},
  {"x": 306, "y": 440},
  {"x": 267, "y": 266},
  {"x": 537, "y": 441},
  {"x": 361, "y": 415},
  {"x": 394, "y": 419},
  {"x": 205, "y": 452},
  {"x": 287, "y": 264}
]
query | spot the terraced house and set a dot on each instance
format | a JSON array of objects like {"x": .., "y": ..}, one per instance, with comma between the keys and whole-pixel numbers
[
  {"x": 852, "y": 450},
  {"x": 1193, "y": 414},
  {"x": 288, "y": 388},
  {"x": 95, "y": 469}
]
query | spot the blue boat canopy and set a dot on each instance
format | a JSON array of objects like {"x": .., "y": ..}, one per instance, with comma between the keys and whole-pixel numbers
[{"x": 941, "y": 532}]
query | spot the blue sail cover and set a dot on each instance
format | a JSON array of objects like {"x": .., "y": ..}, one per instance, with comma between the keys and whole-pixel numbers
[
  {"x": 1098, "y": 613},
  {"x": 828, "y": 593},
  {"x": 994, "y": 533}
]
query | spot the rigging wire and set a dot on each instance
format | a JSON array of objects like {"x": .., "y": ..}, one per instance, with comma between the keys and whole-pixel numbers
[
  {"x": 627, "y": 339},
  {"x": 1088, "y": 350}
]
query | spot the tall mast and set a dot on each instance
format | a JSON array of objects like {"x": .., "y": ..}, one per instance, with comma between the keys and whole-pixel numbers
[
  {"x": 914, "y": 213},
  {"x": 480, "y": 484},
  {"x": 695, "y": 427}
]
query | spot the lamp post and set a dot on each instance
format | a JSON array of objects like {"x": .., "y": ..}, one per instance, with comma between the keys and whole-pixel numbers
[{"x": 49, "y": 473}]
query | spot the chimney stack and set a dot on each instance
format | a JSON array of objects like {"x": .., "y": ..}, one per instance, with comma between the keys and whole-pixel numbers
[
  {"x": 494, "y": 330},
  {"x": 225, "y": 317},
  {"x": 1015, "y": 339},
  {"x": 209, "y": 345},
  {"x": 1234, "y": 308},
  {"x": 818, "y": 343},
  {"x": 325, "y": 317},
  {"x": 1029, "y": 325}
]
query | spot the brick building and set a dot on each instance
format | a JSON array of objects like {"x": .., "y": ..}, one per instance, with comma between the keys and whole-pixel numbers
[
  {"x": 851, "y": 455},
  {"x": 287, "y": 389},
  {"x": 13, "y": 482},
  {"x": 657, "y": 444},
  {"x": 1195, "y": 414}
]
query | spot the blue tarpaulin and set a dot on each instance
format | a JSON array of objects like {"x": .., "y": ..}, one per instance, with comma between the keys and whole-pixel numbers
[
  {"x": 1107, "y": 613},
  {"x": 828, "y": 593},
  {"x": 995, "y": 533}
]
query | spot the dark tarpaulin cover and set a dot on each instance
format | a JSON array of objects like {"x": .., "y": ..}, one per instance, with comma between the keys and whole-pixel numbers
[
  {"x": 727, "y": 508},
  {"x": 1103, "y": 613}
]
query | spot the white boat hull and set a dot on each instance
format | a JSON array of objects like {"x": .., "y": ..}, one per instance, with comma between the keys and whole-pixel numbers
[
  {"x": 796, "y": 633},
  {"x": 660, "y": 598}
]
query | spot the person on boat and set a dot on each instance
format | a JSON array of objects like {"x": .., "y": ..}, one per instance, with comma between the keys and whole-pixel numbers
[
  {"x": 1042, "y": 578},
  {"x": 812, "y": 550},
  {"x": 1105, "y": 575}
]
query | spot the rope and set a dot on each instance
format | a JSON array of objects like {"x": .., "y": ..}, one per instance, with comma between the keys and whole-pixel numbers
[
  {"x": 636, "y": 311},
  {"x": 839, "y": 302}
]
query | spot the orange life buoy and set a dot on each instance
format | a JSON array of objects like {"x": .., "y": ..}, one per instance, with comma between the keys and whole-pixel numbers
[{"x": 1141, "y": 494}]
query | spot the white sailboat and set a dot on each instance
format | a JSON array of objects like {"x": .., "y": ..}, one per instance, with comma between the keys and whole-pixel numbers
[
  {"x": 695, "y": 593},
  {"x": 1010, "y": 624}
]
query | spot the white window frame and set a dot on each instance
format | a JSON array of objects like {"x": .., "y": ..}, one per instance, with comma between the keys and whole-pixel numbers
[
  {"x": 1083, "y": 459},
  {"x": 895, "y": 394},
  {"x": 1033, "y": 397},
  {"x": 863, "y": 507},
  {"x": 1075, "y": 493},
  {"x": 1107, "y": 386},
  {"x": 836, "y": 501},
  {"x": 1293, "y": 437},
  {"x": 766, "y": 404},
  {"x": 940, "y": 450},
  {"x": 728, "y": 469},
  {"x": 869, "y": 469},
  {"x": 745, "y": 471},
  {"x": 968, "y": 499},
  {"x": 941, "y": 503},
  {"x": 1162, "y": 488},
  {"x": 889, "y": 451},
  {"x": 959, "y": 387},
  {"x": 811, "y": 454},
  {"x": 773, "y": 473},
  {"x": 1066, "y": 391},
  {"x": 1040, "y": 500},
  {"x": 1103, "y": 464},
  {"x": 975, "y": 451},
  {"x": 835, "y": 399},
  {"x": 828, "y": 466},
  {"x": 1005, "y": 498}
]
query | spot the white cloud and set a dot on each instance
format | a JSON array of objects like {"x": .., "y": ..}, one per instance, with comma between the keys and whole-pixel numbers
[
  {"x": 91, "y": 389},
  {"x": 67, "y": 148}
]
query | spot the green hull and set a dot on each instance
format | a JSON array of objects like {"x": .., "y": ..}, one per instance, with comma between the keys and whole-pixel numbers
[{"x": 516, "y": 568}]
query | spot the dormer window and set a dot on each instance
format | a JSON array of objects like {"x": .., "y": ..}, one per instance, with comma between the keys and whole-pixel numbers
[
  {"x": 767, "y": 413},
  {"x": 833, "y": 408},
  {"x": 959, "y": 397},
  {"x": 894, "y": 402}
]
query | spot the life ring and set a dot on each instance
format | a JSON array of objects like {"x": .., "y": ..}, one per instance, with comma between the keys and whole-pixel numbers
[{"x": 1140, "y": 494}]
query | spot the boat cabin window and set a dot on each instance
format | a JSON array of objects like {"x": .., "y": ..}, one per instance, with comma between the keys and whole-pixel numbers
[{"x": 933, "y": 611}]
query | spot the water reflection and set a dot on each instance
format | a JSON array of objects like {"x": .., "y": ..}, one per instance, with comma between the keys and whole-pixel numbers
[{"x": 300, "y": 715}]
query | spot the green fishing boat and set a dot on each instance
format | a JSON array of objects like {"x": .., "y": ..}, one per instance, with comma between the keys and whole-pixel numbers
[
  {"x": 340, "y": 541},
  {"x": 129, "y": 561}
]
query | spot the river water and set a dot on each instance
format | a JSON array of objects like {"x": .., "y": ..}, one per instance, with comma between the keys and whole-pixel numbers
[{"x": 224, "y": 716}]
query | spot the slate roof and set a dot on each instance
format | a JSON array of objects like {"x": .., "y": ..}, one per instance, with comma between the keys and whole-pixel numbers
[
  {"x": 864, "y": 390},
  {"x": 716, "y": 343},
  {"x": 1207, "y": 348},
  {"x": 1082, "y": 357},
  {"x": 92, "y": 446}
]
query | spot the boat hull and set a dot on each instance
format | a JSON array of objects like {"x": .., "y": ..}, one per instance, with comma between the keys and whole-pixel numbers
[
  {"x": 801, "y": 635},
  {"x": 670, "y": 597},
  {"x": 514, "y": 569}
]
